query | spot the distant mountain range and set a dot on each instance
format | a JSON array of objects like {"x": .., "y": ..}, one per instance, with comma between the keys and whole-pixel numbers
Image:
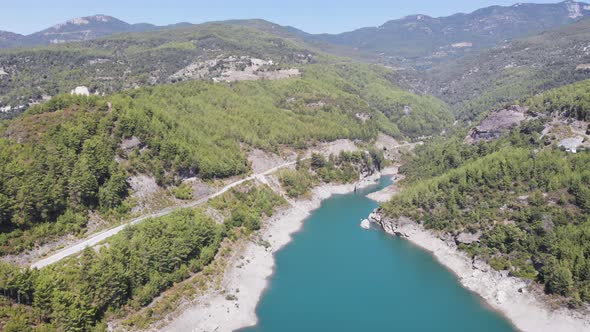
[
  {"x": 424, "y": 36},
  {"x": 412, "y": 37},
  {"x": 78, "y": 29},
  {"x": 477, "y": 83},
  {"x": 474, "y": 62}
]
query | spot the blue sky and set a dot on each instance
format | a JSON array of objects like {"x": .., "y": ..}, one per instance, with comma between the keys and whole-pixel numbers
[{"x": 27, "y": 16}]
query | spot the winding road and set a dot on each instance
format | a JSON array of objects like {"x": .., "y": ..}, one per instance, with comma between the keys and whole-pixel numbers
[{"x": 99, "y": 237}]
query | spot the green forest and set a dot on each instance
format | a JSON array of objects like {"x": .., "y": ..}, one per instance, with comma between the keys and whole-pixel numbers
[
  {"x": 128, "y": 271},
  {"x": 530, "y": 202},
  {"x": 55, "y": 164},
  {"x": 572, "y": 101},
  {"x": 58, "y": 159},
  {"x": 529, "y": 236},
  {"x": 343, "y": 168}
]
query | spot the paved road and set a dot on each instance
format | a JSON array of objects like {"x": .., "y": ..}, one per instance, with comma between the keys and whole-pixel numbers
[{"x": 99, "y": 237}]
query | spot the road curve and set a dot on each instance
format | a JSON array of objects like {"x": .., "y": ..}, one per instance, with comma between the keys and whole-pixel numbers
[{"x": 99, "y": 237}]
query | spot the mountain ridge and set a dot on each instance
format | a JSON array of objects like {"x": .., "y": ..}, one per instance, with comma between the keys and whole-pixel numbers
[
  {"x": 520, "y": 68},
  {"x": 432, "y": 38},
  {"x": 437, "y": 37},
  {"x": 79, "y": 29}
]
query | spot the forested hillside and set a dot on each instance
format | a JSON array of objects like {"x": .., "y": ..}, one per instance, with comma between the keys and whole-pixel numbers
[
  {"x": 135, "y": 59},
  {"x": 571, "y": 101},
  {"x": 55, "y": 165},
  {"x": 58, "y": 159},
  {"x": 526, "y": 203},
  {"x": 519, "y": 69},
  {"x": 567, "y": 103},
  {"x": 129, "y": 271}
]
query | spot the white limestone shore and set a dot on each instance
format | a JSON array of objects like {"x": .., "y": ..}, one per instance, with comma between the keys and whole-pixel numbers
[{"x": 508, "y": 295}]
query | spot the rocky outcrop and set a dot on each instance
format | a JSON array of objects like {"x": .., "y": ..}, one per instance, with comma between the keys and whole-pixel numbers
[
  {"x": 366, "y": 224},
  {"x": 462, "y": 45},
  {"x": 81, "y": 91},
  {"x": 388, "y": 225},
  {"x": 234, "y": 68},
  {"x": 497, "y": 123},
  {"x": 128, "y": 144},
  {"x": 468, "y": 238},
  {"x": 571, "y": 143}
]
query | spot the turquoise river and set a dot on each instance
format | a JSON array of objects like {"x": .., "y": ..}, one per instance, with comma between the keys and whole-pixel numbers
[{"x": 336, "y": 276}]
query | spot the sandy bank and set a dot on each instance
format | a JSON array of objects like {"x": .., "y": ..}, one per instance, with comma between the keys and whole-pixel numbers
[
  {"x": 386, "y": 193},
  {"x": 506, "y": 294},
  {"x": 247, "y": 277}
]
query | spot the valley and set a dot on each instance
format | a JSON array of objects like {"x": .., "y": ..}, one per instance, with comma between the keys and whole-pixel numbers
[{"x": 171, "y": 177}]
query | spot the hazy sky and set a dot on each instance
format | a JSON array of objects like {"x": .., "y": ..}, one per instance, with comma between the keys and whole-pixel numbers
[{"x": 27, "y": 16}]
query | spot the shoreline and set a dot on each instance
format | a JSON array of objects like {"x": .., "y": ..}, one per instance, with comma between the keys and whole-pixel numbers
[
  {"x": 247, "y": 278},
  {"x": 507, "y": 295}
]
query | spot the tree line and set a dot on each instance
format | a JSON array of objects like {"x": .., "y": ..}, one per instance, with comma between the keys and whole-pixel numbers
[{"x": 129, "y": 270}]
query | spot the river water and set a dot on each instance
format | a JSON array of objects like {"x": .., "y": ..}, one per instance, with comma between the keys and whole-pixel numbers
[{"x": 336, "y": 276}]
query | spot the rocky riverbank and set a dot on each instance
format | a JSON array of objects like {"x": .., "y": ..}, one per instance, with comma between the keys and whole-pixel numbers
[
  {"x": 233, "y": 306},
  {"x": 508, "y": 295}
]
